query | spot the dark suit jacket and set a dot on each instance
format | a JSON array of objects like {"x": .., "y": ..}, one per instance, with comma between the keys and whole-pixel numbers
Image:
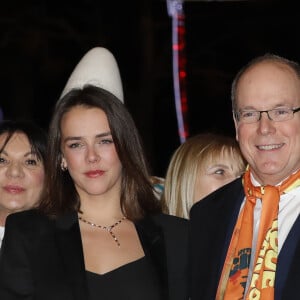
[
  {"x": 212, "y": 221},
  {"x": 42, "y": 259}
]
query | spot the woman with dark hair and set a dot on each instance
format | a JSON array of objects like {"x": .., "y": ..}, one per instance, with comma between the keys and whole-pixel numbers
[
  {"x": 99, "y": 232},
  {"x": 22, "y": 157}
]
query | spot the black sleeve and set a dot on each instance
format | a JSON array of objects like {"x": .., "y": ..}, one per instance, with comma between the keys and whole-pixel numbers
[{"x": 15, "y": 273}]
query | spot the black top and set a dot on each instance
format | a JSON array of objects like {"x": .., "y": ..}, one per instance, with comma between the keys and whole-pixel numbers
[
  {"x": 47, "y": 256},
  {"x": 134, "y": 281}
]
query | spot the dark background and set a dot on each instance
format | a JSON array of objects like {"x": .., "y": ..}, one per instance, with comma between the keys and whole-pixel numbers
[{"x": 42, "y": 41}]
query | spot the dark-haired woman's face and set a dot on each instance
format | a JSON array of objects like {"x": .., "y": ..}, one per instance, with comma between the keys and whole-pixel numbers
[
  {"x": 21, "y": 175},
  {"x": 89, "y": 153}
]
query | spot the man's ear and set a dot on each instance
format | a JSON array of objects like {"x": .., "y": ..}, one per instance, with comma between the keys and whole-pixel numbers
[{"x": 235, "y": 126}]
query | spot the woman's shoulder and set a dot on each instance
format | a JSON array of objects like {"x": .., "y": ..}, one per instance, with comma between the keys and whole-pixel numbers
[
  {"x": 171, "y": 223},
  {"x": 25, "y": 214},
  {"x": 166, "y": 223},
  {"x": 175, "y": 231},
  {"x": 28, "y": 219},
  {"x": 165, "y": 218}
]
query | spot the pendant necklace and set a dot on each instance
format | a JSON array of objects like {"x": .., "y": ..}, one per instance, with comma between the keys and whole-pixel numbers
[{"x": 107, "y": 228}]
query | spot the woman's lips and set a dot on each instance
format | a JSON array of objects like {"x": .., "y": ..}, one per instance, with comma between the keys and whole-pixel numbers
[
  {"x": 14, "y": 189},
  {"x": 94, "y": 173}
]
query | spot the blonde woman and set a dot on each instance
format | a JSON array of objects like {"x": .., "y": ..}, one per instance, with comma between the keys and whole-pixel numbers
[{"x": 201, "y": 165}]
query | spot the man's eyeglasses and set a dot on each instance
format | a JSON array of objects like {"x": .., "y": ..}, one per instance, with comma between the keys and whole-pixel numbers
[{"x": 277, "y": 114}]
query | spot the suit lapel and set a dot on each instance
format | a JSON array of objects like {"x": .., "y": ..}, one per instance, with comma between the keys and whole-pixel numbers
[
  {"x": 286, "y": 261},
  {"x": 153, "y": 243},
  {"x": 212, "y": 223},
  {"x": 70, "y": 248},
  {"x": 233, "y": 210},
  {"x": 228, "y": 211}
]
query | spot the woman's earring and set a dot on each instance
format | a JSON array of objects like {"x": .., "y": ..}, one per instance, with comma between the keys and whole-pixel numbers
[{"x": 63, "y": 166}]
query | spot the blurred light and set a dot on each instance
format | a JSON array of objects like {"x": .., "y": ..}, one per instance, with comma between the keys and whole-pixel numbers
[{"x": 175, "y": 10}]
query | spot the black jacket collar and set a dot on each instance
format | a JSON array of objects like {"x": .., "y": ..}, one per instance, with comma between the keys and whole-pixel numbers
[{"x": 70, "y": 247}]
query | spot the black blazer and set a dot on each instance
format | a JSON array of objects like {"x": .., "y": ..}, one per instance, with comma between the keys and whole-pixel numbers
[
  {"x": 212, "y": 221},
  {"x": 42, "y": 259}
]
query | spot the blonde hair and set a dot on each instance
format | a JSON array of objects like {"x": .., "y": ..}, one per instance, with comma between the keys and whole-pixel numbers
[{"x": 197, "y": 152}]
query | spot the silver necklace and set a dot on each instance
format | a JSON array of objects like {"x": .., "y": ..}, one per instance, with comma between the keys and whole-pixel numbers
[{"x": 107, "y": 228}]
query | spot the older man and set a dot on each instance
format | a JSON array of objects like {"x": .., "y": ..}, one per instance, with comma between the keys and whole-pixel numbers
[{"x": 245, "y": 236}]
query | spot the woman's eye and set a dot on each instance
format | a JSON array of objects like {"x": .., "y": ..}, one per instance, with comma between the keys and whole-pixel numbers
[
  {"x": 31, "y": 162},
  {"x": 106, "y": 141},
  {"x": 220, "y": 172},
  {"x": 74, "y": 145},
  {"x": 2, "y": 160}
]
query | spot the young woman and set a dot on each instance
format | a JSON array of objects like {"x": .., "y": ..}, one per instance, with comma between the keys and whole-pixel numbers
[{"x": 99, "y": 232}]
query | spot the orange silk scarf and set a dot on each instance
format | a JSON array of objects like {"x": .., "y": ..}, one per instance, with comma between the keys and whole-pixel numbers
[{"x": 235, "y": 270}]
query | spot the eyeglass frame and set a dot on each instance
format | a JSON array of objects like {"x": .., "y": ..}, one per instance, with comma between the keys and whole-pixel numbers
[{"x": 293, "y": 110}]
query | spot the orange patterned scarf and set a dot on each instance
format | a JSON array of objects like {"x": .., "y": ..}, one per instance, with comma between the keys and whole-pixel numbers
[{"x": 235, "y": 270}]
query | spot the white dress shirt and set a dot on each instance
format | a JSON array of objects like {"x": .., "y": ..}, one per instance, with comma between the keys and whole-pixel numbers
[{"x": 1, "y": 234}]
